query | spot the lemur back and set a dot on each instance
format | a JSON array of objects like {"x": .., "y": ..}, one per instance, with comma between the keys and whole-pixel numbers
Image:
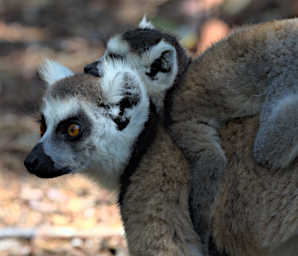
[
  {"x": 107, "y": 129},
  {"x": 256, "y": 211},
  {"x": 254, "y": 70}
]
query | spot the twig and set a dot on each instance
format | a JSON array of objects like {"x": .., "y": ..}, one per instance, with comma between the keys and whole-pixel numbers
[{"x": 58, "y": 232}]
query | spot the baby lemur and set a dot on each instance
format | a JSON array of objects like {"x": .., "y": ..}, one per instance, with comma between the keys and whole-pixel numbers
[
  {"x": 253, "y": 70},
  {"x": 108, "y": 129}
]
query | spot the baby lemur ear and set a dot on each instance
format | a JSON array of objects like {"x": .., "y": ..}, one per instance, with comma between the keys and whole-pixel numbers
[
  {"x": 52, "y": 71},
  {"x": 162, "y": 61}
]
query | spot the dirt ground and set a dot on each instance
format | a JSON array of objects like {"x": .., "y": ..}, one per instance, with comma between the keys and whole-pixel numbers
[{"x": 71, "y": 215}]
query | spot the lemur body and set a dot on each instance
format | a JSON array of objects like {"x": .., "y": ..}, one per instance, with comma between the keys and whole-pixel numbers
[
  {"x": 254, "y": 70},
  {"x": 122, "y": 144},
  {"x": 105, "y": 128}
]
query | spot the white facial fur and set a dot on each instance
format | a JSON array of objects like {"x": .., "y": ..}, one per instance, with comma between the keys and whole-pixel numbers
[
  {"x": 54, "y": 112},
  {"x": 116, "y": 148},
  {"x": 105, "y": 152},
  {"x": 119, "y": 143},
  {"x": 158, "y": 86}
]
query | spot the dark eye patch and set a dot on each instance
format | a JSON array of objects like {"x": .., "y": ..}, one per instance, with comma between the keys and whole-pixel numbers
[{"x": 80, "y": 119}]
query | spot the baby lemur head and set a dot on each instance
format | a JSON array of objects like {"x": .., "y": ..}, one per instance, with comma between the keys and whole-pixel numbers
[
  {"x": 88, "y": 123},
  {"x": 157, "y": 56}
]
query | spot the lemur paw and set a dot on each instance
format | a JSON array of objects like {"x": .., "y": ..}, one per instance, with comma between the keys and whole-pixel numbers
[
  {"x": 268, "y": 160},
  {"x": 205, "y": 172},
  {"x": 209, "y": 164}
]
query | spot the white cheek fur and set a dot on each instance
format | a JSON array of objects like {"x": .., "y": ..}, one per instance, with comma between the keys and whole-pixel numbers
[{"x": 114, "y": 147}]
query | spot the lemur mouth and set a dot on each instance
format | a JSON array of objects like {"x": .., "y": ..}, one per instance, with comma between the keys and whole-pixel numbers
[
  {"x": 52, "y": 174},
  {"x": 41, "y": 165}
]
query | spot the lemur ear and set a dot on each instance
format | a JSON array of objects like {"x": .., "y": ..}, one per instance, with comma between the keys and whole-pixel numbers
[
  {"x": 162, "y": 60},
  {"x": 145, "y": 23},
  {"x": 51, "y": 71}
]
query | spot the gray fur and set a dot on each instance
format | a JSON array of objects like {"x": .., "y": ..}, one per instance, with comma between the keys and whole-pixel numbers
[
  {"x": 277, "y": 139},
  {"x": 84, "y": 87}
]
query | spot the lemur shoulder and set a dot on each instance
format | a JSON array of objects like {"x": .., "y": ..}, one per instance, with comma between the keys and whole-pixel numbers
[
  {"x": 253, "y": 70},
  {"x": 107, "y": 129}
]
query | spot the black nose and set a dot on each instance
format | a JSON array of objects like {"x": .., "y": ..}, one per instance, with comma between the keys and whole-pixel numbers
[
  {"x": 36, "y": 160},
  {"x": 93, "y": 69},
  {"x": 38, "y": 163},
  {"x": 31, "y": 163}
]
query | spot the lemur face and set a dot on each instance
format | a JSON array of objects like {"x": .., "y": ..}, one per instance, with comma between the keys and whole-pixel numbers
[
  {"x": 88, "y": 122},
  {"x": 149, "y": 51}
]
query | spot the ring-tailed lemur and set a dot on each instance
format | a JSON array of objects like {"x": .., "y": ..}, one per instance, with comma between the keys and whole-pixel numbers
[
  {"x": 106, "y": 128},
  {"x": 254, "y": 70}
]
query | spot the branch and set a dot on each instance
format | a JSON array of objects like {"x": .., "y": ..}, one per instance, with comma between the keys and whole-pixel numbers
[{"x": 59, "y": 232}]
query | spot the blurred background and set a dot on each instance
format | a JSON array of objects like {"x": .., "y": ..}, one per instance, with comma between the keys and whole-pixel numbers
[{"x": 70, "y": 215}]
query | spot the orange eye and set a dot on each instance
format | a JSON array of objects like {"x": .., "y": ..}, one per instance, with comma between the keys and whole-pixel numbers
[
  {"x": 73, "y": 130},
  {"x": 42, "y": 129}
]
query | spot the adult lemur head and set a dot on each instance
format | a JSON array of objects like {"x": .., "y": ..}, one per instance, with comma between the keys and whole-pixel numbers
[
  {"x": 158, "y": 57},
  {"x": 88, "y": 122}
]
